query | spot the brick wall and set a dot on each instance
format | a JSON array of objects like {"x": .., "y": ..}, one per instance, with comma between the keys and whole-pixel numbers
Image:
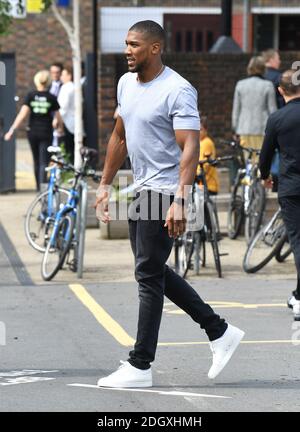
[
  {"x": 214, "y": 76},
  {"x": 39, "y": 40}
]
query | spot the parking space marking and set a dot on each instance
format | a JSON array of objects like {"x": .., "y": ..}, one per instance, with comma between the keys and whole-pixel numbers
[
  {"x": 110, "y": 325},
  {"x": 121, "y": 336},
  {"x": 160, "y": 392},
  {"x": 170, "y": 308},
  {"x": 274, "y": 341}
]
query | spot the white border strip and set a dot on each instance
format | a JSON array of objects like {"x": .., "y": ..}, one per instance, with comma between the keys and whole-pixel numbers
[{"x": 276, "y": 10}]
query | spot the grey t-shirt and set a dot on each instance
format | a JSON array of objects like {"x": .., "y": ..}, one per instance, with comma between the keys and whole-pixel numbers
[{"x": 151, "y": 112}]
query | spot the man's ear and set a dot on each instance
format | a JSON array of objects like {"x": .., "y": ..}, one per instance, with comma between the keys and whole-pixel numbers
[
  {"x": 280, "y": 90},
  {"x": 156, "y": 47}
]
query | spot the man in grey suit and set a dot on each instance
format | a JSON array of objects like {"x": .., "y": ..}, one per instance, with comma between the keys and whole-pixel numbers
[{"x": 254, "y": 100}]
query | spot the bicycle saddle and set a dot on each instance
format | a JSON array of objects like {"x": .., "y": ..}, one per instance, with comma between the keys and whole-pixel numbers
[{"x": 87, "y": 152}]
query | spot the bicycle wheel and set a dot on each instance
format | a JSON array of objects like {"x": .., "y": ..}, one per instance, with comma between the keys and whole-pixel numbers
[
  {"x": 265, "y": 245},
  {"x": 59, "y": 243},
  {"x": 212, "y": 237},
  {"x": 284, "y": 251},
  {"x": 198, "y": 259},
  {"x": 235, "y": 212},
  {"x": 255, "y": 211},
  {"x": 184, "y": 246},
  {"x": 37, "y": 217}
]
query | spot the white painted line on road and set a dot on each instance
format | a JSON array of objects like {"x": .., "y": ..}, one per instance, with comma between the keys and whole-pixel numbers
[
  {"x": 160, "y": 392},
  {"x": 274, "y": 341},
  {"x": 24, "y": 377}
]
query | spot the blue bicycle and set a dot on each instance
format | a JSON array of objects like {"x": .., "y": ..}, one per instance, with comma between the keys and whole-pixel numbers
[
  {"x": 67, "y": 229},
  {"x": 45, "y": 206}
]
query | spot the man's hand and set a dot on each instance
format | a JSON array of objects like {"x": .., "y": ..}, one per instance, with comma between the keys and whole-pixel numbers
[
  {"x": 101, "y": 203},
  {"x": 175, "y": 220}
]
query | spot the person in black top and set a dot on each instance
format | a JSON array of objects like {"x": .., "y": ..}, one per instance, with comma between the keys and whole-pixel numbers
[
  {"x": 273, "y": 74},
  {"x": 39, "y": 105},
  {"x": 283, "y": 133}
]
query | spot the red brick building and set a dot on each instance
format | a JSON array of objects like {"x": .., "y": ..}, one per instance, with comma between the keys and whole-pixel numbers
[{"x": 192, "y": 27}]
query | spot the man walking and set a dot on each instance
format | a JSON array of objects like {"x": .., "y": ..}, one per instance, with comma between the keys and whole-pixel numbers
[
  {"x": 158, "y": 124},
  {"x": 283, "y": 133},
  {"x": 273, "y": 74}
]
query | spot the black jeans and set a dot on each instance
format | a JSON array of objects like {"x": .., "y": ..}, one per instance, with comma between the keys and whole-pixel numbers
[
  {"x": 290, "y": 210},
  {"x": 41, "y": 157},
  {"x": 69, "y": 143},
  {"x": 151, "y": 246}
]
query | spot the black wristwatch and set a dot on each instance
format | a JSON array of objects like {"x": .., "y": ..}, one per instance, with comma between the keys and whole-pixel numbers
[{"x": 179, "y": 200}]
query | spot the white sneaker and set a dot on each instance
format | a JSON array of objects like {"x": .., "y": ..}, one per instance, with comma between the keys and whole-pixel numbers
[
  {"x": 296, "y": 310},
  {"x": 127, "y": 376},
  {"x": 223, "y": 348},
  {"x": 291, "y": 301}
]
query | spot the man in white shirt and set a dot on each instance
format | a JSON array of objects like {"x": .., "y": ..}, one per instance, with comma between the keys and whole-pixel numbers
[
  {"x": 54, "y": 89},
  {"x": 67, "y": 110},
  {"x": 158, "y": 124}
]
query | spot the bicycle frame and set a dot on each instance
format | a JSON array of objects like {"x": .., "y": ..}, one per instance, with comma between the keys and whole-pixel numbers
[{"x": 69, "y": 207}]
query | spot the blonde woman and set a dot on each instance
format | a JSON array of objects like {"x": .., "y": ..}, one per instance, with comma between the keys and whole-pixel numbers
[{"x": 40, "y": 106}]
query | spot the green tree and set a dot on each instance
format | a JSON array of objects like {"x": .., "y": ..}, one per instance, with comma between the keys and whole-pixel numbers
[{"x": 73, "y": 33}]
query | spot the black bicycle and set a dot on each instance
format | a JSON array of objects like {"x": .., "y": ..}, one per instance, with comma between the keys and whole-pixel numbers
[
  {"x": 248, "y": 198},
  {"x": 202, "y": 227},
  {"x": 270, "y": 241}
]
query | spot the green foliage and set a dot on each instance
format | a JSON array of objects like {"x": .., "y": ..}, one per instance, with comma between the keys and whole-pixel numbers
[{"x": 6, "y": 19}]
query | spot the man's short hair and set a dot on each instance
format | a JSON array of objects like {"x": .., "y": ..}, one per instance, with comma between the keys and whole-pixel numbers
[
  {"x": 256, "y": 66},
  {"x": 58, "y": 65},
  {"x": 290, "y": 82},
  {"x": 152, "y": 30},
  {"x": 269, "y": 54},
  {"x": 69, "y": 70}
]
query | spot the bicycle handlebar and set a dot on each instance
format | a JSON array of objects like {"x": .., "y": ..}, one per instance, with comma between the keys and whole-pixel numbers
[{"x": 216, "y": 161}]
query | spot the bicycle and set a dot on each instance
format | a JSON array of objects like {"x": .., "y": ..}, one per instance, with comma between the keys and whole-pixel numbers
[
  {"x": 248, "y": 198},
  {"x": 268, "y": 243},
  {"x": 206, "y": 229},
  {"x": 45, "y": 206},
  {"x": 67, "y": 230}
]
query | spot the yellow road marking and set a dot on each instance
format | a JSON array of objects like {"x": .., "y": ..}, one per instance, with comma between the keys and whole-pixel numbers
[
  {"x": 118, "y": 333},
  {"x": 110, "y": 325},
  {"x": 222, "y": 304}
]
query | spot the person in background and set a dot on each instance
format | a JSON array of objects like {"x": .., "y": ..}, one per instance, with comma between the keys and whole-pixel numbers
[
  {"x": 67, "y": 110},
  {"x": 254, "y": 100},
  {"x": 208, "y": 150},
  {"x": 40, "y": 105},
  {"x": 56, "y": 83},
  {"x": 273, "y": 74},
  {"x": 283, "y": 133},
  {"x": 55, "y": 73}
]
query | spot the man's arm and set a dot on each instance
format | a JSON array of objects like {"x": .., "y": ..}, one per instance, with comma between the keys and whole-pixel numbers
[
  {"x": 268, "y": 149},
  {"x": 188, "y": 140},
  {"x": 115, "y": 156}
]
